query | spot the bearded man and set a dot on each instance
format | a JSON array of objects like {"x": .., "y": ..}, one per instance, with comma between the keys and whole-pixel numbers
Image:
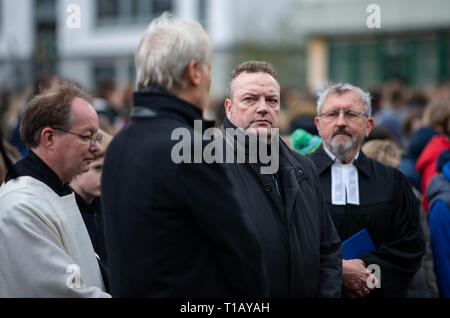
[{"x": 362, "y": 193}]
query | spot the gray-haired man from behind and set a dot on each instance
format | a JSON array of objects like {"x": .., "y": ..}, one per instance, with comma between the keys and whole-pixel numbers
[{"x": 174, "y": 229}]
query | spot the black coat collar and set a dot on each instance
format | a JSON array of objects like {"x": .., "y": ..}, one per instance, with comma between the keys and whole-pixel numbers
[
  {"x": 286, "y": 156},
  {"x": 162, "y": 102},
  {"x": 323, "y": 161},
  {"x": 33, "y": 166}
]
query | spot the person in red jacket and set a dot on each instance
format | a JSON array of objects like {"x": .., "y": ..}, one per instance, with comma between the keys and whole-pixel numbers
[{"x": 426, "y": 164}]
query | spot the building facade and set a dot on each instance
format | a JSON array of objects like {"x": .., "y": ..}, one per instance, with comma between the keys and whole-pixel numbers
[
  {"x": 88, "y": 41},
  {"x": 309, "y": 42},
  {"x": 368, "y": 42}
]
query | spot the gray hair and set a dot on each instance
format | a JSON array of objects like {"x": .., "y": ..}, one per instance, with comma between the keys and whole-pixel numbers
[
  {"x": 166, "y": 49},
  {"x": 340, "y": 89}
]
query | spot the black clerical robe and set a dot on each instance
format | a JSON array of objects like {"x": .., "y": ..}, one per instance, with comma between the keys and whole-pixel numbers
[{"x": 389, "y": 211}]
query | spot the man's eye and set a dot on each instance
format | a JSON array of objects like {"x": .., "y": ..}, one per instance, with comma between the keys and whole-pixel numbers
[
  {"x": 332, "y": 114},
  {"x": 351, "y": 114}
]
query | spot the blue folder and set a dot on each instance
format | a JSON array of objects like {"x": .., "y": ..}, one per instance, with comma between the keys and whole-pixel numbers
[{"x": 357, "y": 245}]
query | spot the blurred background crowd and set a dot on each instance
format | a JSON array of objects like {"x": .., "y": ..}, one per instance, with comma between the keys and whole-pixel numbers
[{"x": 404, "y": 64}]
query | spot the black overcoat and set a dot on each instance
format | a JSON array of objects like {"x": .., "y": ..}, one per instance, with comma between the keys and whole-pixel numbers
[
  {"x": 173, "y": 230},
  {"x": 302, "y": 248}
]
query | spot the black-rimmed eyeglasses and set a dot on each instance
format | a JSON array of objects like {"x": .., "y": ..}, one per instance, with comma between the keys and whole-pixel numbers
[{"x": 93, "y": 139}]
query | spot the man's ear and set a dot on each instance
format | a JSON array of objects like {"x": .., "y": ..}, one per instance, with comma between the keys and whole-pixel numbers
[
  {"x": 227, "y": 107},
  {"x": 48, "y": 137},
  {"x": 193, "y": 73},
  {"x": 317, "y": 123},
  {"x": 370, "y": 125}
]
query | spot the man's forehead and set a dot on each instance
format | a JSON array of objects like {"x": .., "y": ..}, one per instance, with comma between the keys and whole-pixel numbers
[
  {"x": 345, "y": 99},
  {"x": 81, "y": 106},
  {"x": 80, "y": 102},
  {"x": 85, "y": 114},
  {"x": 256, "y": 83}
]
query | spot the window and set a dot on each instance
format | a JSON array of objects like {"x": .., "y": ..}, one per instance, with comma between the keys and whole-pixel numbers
[
  {"x": 131, "y": 71},
  {"x": 339, "y": 62},
  {"x": 444, "y": 55},
  {"x": 112, "y": 12},
  {"x": 45, "y": 11},
  {"x": 45, "y": 44},
  {"x": 1, "y": 17},
  {"x": 103, "y": 71},
  {"x": 202, "y": 12},
  {"x": 159, "y": 6},
  {"x": 426, "y": 60}
]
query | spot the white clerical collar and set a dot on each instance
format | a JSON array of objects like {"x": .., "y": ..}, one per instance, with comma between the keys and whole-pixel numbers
[{"x": 344, "y": 181}]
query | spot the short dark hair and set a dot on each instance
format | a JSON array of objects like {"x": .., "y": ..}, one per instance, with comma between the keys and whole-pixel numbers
[
  {"x": 53, "y": 109},
  {"x": 250, "y": 67}
]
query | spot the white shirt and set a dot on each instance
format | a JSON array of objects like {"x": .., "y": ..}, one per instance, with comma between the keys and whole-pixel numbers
[
  {"x": 45, "y": 249},
  {"x": 344, "y": 181}
]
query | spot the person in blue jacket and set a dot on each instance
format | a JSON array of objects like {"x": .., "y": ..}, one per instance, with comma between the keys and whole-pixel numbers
[{"x": 438, "y": 191}]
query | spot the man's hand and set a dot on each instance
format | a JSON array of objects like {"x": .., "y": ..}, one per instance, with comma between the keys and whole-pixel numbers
[{"x": 354, "y": 279}]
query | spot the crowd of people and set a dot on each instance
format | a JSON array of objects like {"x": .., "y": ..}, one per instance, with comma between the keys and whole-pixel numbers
[{"x": 93, "y": 203}]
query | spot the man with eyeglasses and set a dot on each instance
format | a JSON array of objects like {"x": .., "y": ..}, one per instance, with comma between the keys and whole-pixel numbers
[
  {"x": 45, "y": 248},
  {"x": 97, "y": 138},
  {"x": 301, "y": 247},
  {"x": 362, "y": 193}
]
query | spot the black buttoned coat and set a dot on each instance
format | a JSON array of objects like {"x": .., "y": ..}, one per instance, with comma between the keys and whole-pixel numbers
[{"x": 301, "y": 247}]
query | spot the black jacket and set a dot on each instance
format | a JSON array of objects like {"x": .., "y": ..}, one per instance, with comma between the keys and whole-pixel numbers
[
  {"x": 389, "y": 211},
  {"x": 302, "y": 248},
  {"x": 173, "y": 230},
  {"x": 93, "y": 219}
]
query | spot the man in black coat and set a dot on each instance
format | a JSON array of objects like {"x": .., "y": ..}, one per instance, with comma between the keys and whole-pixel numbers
[
  {"x": 362, "y": 193},
  {"x": 301, "y": 246},
  {"x": 174, "y": 229}
]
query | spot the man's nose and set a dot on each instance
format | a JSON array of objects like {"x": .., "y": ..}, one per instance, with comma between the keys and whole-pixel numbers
[
  {"x": 341, "y": 121},
  {"x": 262, "y": 105},
  {"x": 96, "y": 147}
]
